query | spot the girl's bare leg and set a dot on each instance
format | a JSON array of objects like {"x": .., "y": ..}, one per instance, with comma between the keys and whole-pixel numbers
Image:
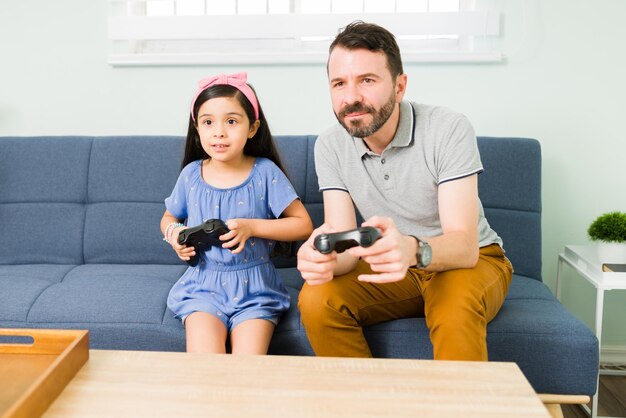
[
  {"x": 252, "y": 337},
  {"x": 205, "y": 333}
]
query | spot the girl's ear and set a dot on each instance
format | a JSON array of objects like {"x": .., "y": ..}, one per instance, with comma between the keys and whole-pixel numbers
[{"x": 253, "y": 128}]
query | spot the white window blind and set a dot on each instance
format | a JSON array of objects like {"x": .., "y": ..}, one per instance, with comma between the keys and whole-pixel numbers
[{"x": 191, "y": 32}]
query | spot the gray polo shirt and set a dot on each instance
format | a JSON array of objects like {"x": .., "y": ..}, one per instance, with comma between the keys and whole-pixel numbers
[{"x": 432, "y": 145}]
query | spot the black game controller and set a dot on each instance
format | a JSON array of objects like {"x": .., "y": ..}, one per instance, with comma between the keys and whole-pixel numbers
[
  {"x": 341, "y": 241},
  {"x": 202, "y": 237}
]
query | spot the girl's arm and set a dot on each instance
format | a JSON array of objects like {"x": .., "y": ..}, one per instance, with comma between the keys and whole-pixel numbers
[
  {"x": 171, "y": 227},
  {"x": 294, "y": 224}
]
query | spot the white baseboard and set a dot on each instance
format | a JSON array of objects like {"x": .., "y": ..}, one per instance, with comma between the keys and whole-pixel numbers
[{"x": 613, "y": 354}]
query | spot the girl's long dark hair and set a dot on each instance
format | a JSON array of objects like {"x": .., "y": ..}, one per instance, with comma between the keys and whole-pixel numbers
[{"x": 260, "y": 145}]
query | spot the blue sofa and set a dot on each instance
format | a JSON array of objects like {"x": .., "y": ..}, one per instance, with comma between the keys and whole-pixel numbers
[{"x": 81, "y": 248}]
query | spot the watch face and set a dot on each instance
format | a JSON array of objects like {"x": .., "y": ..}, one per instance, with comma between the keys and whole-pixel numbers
[{"x": 425, "y": 255}]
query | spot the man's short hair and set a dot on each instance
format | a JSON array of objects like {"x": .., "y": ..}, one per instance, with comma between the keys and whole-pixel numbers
[{"x": 361, "y": 35}]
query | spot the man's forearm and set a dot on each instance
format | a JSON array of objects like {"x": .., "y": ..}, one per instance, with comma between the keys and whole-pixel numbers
[{"x": 453, "y": 250}]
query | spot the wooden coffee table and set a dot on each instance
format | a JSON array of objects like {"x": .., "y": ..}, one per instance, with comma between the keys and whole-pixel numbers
[{"x": 163, "y": 384}]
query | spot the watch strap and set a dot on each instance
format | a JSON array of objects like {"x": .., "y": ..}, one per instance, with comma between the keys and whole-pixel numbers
[{"x": 417, "y": 253}]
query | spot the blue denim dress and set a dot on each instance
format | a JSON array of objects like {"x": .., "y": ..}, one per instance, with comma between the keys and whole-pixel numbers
[{"x": 233, "y": 287}]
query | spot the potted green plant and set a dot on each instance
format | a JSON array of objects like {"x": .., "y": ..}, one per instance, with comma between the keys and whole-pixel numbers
[{"x": 609, "y": 231}]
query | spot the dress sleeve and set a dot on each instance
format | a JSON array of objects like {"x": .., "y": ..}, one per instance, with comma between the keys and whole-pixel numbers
[
  {"x": 280, "y": 191},
  {"x": 176, "y": 203}
]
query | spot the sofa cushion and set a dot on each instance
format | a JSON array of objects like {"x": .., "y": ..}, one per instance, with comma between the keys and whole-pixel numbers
[
  {"x": 21, "y": 286},
  {"x": 42, "y": 232},
  {"x": 123, "y": 306},
  {"x": 296, "y": 153},
  {"x": 289, "y": 336},
  {"x": 125, "y": 199},
  {"x": 554, "y": 349},
  {"x": 519, "y": 230},
  {"x": 515, "y": 178},
  {"x": 43, "y": 190},
  {"x": 528, "y": 288},
  {"x": 126, "y": 232},
  {"x": 101, "y": 293},
  {"x": 44, "y": 169},
  {"x": 510, "y": 191},
  {"x": 134, "y": 168}
]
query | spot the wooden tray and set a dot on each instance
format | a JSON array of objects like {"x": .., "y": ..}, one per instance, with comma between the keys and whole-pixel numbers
[{"x": 35, "y": 367}]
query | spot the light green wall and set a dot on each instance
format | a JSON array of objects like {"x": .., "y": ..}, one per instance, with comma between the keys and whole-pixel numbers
[{"x": 563, "y": 83}]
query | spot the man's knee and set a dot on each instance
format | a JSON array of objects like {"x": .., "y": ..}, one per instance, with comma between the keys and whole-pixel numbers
[
  {"x": 308, "y": 299},
  {"x": 458, "y": 333},
  {"x": 467, "y": 316},
  {"x": 460, "y": 315},
  {"x": 312, "y": 301},
  {"x": 319, "y": 302}
]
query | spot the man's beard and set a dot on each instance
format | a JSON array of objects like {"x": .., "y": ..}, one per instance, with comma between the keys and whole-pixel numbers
[{"x": 380, "y": 117}]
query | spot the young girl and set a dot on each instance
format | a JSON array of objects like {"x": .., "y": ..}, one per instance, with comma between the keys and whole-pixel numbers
[{"x": 231, "y": 171}]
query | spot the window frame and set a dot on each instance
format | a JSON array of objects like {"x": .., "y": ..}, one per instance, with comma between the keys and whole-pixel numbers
[{"x": 271, "y": 39}]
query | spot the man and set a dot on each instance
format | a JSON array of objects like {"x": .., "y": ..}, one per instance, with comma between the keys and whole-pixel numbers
[{"x": 411, "y": 171}]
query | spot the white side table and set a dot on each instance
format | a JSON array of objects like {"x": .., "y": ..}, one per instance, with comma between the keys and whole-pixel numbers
[{"x": 584, "y": 259}]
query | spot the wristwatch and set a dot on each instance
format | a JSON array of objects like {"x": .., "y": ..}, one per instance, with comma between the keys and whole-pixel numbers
[{"x": 424, "y": 253}]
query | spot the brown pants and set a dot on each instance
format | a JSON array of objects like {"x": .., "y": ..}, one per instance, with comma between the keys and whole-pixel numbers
[{"x": 457, "y": 305}]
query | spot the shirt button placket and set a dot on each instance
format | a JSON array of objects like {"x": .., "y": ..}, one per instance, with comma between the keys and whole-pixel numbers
[{"x": 386, "y": 177}]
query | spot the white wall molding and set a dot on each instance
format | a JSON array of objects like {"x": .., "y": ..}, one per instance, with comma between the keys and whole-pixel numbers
[{"x": 613, "y": 354}]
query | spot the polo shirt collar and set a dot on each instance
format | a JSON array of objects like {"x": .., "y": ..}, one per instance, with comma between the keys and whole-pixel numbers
[{"x": 404, "y": 133}]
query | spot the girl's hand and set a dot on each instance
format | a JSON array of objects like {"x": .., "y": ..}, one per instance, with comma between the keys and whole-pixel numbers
[
  {"x": 240, "y": 231},
  {"x": 184, "y": 253}
]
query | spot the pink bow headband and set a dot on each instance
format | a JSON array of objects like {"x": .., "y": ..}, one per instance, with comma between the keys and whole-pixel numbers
[{"x": 238, "y": 81}]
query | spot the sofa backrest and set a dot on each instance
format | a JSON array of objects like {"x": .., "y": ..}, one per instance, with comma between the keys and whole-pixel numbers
[
  {"x": 74, "y": 200},
  {"x": 510, "y": 191}
]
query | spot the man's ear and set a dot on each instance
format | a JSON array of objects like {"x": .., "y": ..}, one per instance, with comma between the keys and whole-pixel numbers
[
  {"x": 400, "y": 87},
  {"x": 253, "y": 128}
]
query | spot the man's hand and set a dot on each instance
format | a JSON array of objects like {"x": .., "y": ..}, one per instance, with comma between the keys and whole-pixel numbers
[
  {"x": 315, "y": 267},
  {"x": 390, "y": 256}
]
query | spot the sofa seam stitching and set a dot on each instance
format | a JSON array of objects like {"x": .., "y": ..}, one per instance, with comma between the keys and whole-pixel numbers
[
  {"x": 87, "y": 201},
  {"x": 46, "y": 288}
]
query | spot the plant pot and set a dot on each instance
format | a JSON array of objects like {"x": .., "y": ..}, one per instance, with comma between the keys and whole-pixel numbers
[{"x": 612, "y": 252}]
